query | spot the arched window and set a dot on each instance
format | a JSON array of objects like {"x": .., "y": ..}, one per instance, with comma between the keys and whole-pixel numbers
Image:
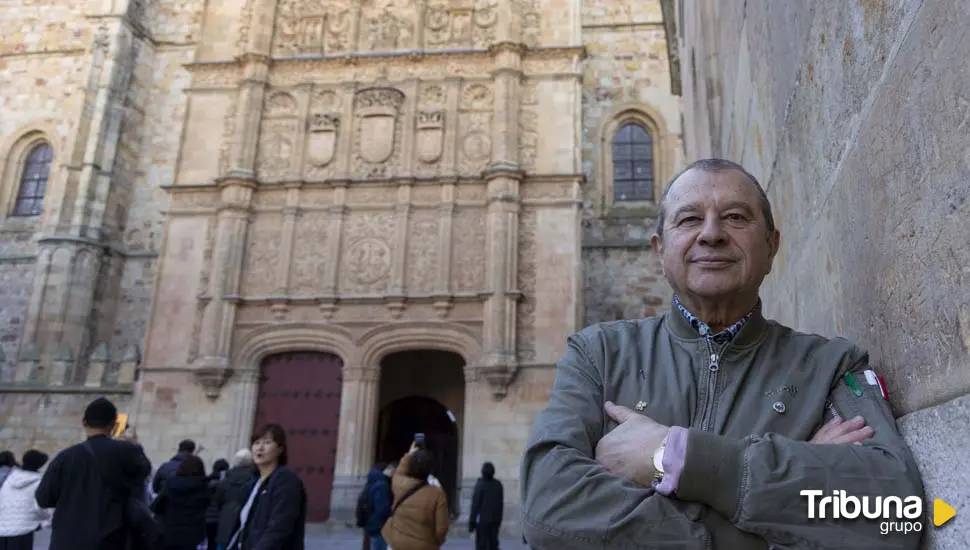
[
  {"x": 33, "y": 181},
  {"x": 632, "y": 164}
]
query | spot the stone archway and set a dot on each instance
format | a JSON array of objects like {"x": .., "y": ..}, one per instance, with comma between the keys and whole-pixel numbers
[{"x": 423, "y": 391}]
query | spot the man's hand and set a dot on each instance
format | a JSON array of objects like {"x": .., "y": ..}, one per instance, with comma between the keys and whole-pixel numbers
[
  {"x": 627, "y": 451},
  {"x": 843, "y": 432}
]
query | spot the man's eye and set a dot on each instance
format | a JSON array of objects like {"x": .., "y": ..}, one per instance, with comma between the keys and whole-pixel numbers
[
  {"x": 688, "y": 219},
  {"x": 736, "y": 217}
]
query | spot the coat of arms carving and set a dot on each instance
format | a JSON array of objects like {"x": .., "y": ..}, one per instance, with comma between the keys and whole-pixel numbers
[
  {"x": 430, "y": 135},
  {"x": 377, "y": 111},
  {"x": 322, "y": 138}
]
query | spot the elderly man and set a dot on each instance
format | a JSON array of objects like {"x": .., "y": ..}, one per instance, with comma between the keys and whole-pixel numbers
[{"x": 700, "y": 428}]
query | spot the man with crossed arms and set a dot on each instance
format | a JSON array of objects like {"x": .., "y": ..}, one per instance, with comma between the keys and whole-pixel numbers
[{"x": 700, "y": 427}]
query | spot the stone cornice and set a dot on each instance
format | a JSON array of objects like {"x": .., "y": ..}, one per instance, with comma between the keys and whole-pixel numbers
[{"x": 541, "y": 61}]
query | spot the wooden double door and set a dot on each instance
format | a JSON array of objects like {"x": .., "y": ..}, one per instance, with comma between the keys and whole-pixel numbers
[{"x": 301, "y": 392}]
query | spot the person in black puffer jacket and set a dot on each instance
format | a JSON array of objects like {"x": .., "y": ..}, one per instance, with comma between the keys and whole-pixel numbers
[
  {"x": 219, "y": 469},
  {"x": 231, "y": 495},
  {"x": 180, "y": 508}
]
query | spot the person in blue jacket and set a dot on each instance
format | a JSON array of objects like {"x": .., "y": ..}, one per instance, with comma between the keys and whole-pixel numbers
[{"x": 379, "y": 500}]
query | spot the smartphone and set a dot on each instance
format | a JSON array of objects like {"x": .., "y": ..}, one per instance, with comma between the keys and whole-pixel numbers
[
  {"x": 121, "y": 425},
  {"x": 419, "y": 440}
]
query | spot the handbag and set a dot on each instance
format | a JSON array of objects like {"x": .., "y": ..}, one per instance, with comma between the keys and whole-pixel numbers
[
  {"x": 136, "y": 511},
  {"x": 398, "y": 504}
]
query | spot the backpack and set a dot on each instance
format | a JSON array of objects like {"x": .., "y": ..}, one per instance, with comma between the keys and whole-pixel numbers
[{"x": 364, "y": 506}]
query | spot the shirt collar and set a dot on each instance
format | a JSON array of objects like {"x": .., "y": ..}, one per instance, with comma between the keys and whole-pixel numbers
[{"x": 704, "y": 330}]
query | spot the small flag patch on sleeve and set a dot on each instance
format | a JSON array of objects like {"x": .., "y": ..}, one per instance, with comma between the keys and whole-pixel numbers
[{"x": 875, "y": 380}]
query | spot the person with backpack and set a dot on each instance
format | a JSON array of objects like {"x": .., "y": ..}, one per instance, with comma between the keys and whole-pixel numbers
[
  {"x": 95, "y": 488},
  {"x": 374, "y": 505}
]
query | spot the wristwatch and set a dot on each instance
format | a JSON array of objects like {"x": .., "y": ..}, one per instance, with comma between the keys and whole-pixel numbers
[{"x": 658, "y": 460}]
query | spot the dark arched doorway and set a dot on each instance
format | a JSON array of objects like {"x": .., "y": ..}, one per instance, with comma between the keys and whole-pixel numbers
[
  {"x": 301, "y": 392},
  {"x": 423, "y": 392}
]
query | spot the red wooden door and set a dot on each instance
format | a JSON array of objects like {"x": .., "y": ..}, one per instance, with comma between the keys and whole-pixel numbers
[{"x": 301, "y": 392}]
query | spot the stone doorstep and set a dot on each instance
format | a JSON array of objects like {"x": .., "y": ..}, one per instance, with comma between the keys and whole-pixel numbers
[{"x": 459, "y": 529}]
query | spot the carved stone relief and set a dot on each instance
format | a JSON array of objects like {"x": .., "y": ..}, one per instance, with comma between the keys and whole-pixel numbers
[
  {"x": 529, "y": 126},
  {"x": 365, "y": 263},
  {"x": 528, "y": 12},
  {"x": 431, "y": 129},
  {"x": 388, "y": 25},
  {"x": 525, "y": 313},
  {"x": 277, "y": 135},
  {"x": 422, "y": 258},
  {"x": 314, "y": 27},
  {"x": 460, "y": 23},
  {"x": 323, "y": 132},
  {"x": 328, "y": 27},
  {"x": 377, "y": 131},
  {"x": 262, "y": 255},
  {"x": 312, "y": 233},
  {"x": 468, "y": 249},
  {"x": 475, "y": 122}
]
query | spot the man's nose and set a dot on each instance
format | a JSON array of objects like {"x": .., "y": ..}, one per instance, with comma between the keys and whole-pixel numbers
[{"x": 712, "y": 232}]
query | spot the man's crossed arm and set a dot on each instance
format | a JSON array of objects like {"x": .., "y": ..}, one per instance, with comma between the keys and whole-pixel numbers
[{"x": 743, "y": 493}]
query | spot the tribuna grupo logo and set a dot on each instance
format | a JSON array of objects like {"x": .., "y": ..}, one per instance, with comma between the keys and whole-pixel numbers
[{"x": 897, "y": 515}]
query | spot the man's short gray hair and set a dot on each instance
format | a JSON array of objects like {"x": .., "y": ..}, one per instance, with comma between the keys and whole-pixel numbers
[
  {"x": 715, "y": 165},
  {"x": 243, "y": 457}
]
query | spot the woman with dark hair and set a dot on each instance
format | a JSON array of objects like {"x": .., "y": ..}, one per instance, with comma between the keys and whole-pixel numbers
[
  {"x": 180, "y": 508},
  {"x": 19, "y": 514},
  {"x": 274, "y": 516},
  {"x": 419, "y": 516},
  {"x": 219, "y": 469}
]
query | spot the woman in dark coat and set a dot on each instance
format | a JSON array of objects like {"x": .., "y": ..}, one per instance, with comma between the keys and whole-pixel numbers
[
  {"x": 274, "y": 515},
  {"x": 219, "y": 469},
  {"x": 231, "y": 494},
  {"x": 180, "y": 508}
]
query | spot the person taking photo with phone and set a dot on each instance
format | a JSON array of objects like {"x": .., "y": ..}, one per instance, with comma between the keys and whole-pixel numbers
[{"x": 419, "y": 516}]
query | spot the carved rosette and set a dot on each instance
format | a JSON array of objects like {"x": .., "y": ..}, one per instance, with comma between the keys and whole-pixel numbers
[{"x": 376, "y": 113}]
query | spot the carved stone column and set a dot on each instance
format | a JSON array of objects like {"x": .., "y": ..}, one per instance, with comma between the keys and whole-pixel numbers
[
  {"x": 223, "y": 293},
  {"x": 498, "y": 363},
  {"x": 249, "y": 105},
  {"x": 358, "y": 426},
  {"x": 247, "y": 390}
]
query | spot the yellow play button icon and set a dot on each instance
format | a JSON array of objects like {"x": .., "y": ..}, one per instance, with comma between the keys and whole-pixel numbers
[{"x": 942, "y": 512}]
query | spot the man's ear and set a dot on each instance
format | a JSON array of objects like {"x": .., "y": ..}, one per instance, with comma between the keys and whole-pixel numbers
[
  {"x": 657, "y": 242},
  {"x": 774, "y": 244}
]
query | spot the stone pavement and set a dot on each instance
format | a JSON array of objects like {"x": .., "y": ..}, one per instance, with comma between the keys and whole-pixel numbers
[{"x": 342, "y": 541}]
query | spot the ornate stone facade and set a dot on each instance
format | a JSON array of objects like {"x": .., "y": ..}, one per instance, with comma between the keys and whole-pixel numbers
[{"x": 350, "y": 177}]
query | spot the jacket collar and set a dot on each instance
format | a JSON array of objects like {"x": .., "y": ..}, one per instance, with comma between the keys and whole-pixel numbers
[{"x": 749, "y": 334}]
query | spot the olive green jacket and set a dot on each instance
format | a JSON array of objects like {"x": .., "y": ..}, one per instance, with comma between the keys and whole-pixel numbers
[{"x": 746, "y": 462}]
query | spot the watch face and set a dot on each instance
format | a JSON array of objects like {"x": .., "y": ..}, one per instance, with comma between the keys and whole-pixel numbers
[{"x": 658, "y": 460}]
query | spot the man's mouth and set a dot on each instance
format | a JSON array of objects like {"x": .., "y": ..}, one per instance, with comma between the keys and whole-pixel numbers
[{"x": 713, "y": 261}]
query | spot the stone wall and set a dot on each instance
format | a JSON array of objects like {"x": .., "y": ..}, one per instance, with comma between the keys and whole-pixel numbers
[
  {"x": 49, "y": 422},
  {"x": 626, "y": 72},
  {"x": 853, "y": 115}
]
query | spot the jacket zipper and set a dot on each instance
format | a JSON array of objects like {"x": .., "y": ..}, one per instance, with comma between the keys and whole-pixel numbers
[{"x": 713, "y": 367}]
